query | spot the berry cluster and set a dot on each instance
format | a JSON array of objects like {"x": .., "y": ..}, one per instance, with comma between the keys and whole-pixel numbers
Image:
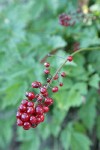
[
  {"x": 31, "y": 111},
  {"x": 66, "y": 20},
  {"x": 71, "y": 18}
]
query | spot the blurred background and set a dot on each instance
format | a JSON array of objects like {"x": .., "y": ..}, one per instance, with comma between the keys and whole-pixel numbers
[{"x": 29, "y": 30}]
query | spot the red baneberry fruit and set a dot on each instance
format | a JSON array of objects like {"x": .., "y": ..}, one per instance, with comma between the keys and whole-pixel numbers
[
  {"x": 46, "y": 64},
  {"x": 39, "y": 110},
  {"x": 63, "y": 74},
  {"x": 30, "y": 95},
  {"x": 48, "y": 101},
  {"x": 55, "y": 89},
  {"x": 45, "y": 109},
  {"x": 18, "y": 115},
  {"x": 33, "y": 120},
  {"x": 30, "y": 110},
  {"x": 56, "y": 77},
  {"x": 19, "y": 122},
  {"x": 24, "y": 102},
  {"x": 46, "y": 71},
  {"x": 70, "y": 58},
  {"x": 60, "y": 84},
  {"x": 22, "y": 108},
  {"x": 26, "y": 126},
  {"x": 30, "y": 104},
  {"x": 24, "y": 117},
  {"x": 43, "y": 90}
]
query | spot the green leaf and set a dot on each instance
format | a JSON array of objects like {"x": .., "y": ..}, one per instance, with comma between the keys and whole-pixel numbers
[
  {"x": 74, "y": 140},
  {"x": 67, "y": 99},
  {"x": 80, "y": 141},
  {"x": 98, "y": 127},
  {"x": 85, "y": 114},
  {"x": 94, "y": 81}
]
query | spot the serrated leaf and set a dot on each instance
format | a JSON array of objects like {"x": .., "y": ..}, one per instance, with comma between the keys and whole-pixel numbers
[
  {"x": 94, "y": 81},
  {"x": 85, "y": 114},
  {"x": 67, "y": 99},
  {"x": 80, "y": 141},
  {"x": 74, "y": 140}
]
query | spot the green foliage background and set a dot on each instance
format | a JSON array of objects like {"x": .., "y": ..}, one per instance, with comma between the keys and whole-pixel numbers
[{"x": 29, "y": 30}]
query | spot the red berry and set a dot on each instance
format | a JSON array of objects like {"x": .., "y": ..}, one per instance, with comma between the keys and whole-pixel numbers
[
  {"x": 26, "y": 126},
  {"x": 40, "y": 98},
  {"x": 18, "y": 115},
  {"x": 60, "y": 84},
  {"x": 24, "y": 117},
  {"x": 35, "y": 84},
  {"x": 55, "y": 89},
  {"x": 33, "y": 120},
  {"x": 19, "y": 122},
  {"x": 48, "y": 101},
  {"x": 30, "y": 104},
  {"x": 56, "y": 77},
  {"x": 70, "y": 58},
  {"x": 30, "y": 110},
  {"x": 39, "y": 110},
  {"x": 46, "y": 64},
  {"x": 46, "y": 71},
  {"x": 48, "y": 80},
  {"x": 22, "y": 108},
  {"x": 43, "y": 90},
  {"x": 24, "y": 102},
  {"x": 40, "y": 118},
  {"x": 45, "y": 94},
  {"x": 30, "y": 95},
  {"x": 63, "y": 74},
  {"x": 45, "y": 109}
]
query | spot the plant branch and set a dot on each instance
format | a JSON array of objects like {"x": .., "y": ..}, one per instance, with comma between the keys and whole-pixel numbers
[{"x": 74, "y": 53}]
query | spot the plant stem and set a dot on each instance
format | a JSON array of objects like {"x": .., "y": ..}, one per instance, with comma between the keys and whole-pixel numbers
[{"x": 74, "y": 53}]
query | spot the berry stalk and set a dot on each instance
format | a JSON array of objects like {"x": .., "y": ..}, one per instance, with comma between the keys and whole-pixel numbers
[{"x": 74, "y": 53}]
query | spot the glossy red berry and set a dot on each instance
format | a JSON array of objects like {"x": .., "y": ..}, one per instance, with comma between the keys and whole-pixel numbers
[
  {"x": 45, "y": 109},
  {"x": 30, "y": 104},
  {"x": 55, "y": 89},
  {"x": 48, "y": 101},
  {"x": 56, "y": 77},
  {"x": 39, "y": 98},
  {"x": 48, "y": 80},
  {"x": 24, "y": 102},
  {"x": 70, "y": 58},
  {"x": 39, "y": 110},
  {"x": 60, "y": 84},
  {"x": 33, "y": 120},
  {"x": 35, "y": 84},
  {"x": 19, "y": 122},
  {"x": 22, "y": 108},
  {"x": 26, "y": 126},
  {"x": 46, "y": 64},
  {"x": 43, "y": 90},
  {"x": 46, "y": 71},
  {"x": 18, "y": 115},
  {"x": 24, "y": 117},
  {"x": 30, "y": 95},
  {"x": 30, "y": 110},
  {"x": 45, "y": 94},
  {"x": 42, "y": 118},
  {"x": 63, "y": 74}
]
